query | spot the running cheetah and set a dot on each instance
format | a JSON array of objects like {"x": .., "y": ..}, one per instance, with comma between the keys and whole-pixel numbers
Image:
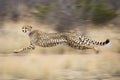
[{"x": 72, "y": 39}]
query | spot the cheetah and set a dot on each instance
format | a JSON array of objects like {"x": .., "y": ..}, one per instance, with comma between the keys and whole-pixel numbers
[{"x": 72, "y": 39}]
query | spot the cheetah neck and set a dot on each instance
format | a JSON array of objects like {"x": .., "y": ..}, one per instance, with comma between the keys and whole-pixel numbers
[{"x": 29, "y": 32}]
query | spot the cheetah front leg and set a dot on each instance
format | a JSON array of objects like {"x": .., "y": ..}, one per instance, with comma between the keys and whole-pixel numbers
[{"x": 26, "y": 49}]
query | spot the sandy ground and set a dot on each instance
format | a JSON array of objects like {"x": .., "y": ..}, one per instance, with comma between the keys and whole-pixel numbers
[{"x": 104, "y": 66}]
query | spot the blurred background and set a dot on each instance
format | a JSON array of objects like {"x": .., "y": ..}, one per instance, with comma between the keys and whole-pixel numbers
[
  {"x": 97, "y": 19},
  {"x": 64, "y": 14}
]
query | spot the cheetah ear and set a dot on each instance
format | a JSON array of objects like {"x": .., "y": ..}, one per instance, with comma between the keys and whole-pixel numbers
[{"x": 30, "y": 27}]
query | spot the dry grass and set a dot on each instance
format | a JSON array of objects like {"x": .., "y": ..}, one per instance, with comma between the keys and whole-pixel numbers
[
  {"x": 61, "y": 62},
  {"x": 52, "y": 67}
]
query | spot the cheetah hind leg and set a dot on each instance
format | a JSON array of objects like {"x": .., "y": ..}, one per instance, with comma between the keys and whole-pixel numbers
[{"x": 25, "y": 50}]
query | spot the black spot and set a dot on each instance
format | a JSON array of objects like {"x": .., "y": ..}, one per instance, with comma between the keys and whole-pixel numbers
[
  {"x": 107, "y": 41},
  {"x": 87, "y": 40},
  {"x": 91, "y": 41}
]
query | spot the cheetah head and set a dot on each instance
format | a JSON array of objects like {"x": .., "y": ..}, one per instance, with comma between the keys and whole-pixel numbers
[{"x": 26, "y": 29}]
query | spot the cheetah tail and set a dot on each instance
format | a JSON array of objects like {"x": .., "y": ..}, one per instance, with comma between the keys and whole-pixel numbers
[{"x": 102, "y": 43}]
